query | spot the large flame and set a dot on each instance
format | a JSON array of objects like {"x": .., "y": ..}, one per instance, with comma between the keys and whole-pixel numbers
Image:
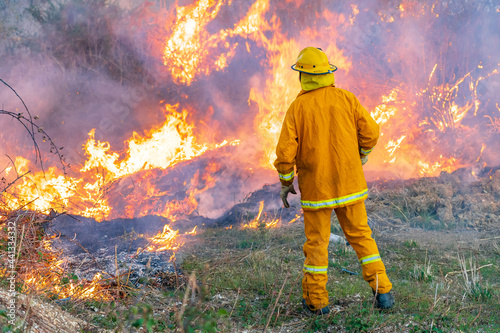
[
  {"x": 161, "y": 148},
  {"x": 428, "y": 103}
]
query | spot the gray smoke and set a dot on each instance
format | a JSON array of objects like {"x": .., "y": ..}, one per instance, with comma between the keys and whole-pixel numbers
[{"x": 84, "y": 64}]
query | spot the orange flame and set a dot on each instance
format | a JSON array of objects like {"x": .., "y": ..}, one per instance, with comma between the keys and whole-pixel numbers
[
  {"x": 166, "y": 240},
  {"x": 296, "y": 218},
  {"x": 192, "y": 232},
  {"x": 443, "y": 112},
  {"x": 162, "y": 148},
  {"x": 191, "y": 51},
  {"x": 54, "y": 281},
  {"x": 273, "y": 223}
]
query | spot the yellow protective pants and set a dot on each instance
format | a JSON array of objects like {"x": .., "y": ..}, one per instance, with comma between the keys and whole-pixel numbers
[{"x": 354, "y": 223}]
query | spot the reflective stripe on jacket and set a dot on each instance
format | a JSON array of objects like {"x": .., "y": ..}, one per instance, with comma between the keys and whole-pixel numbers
[{"x": 323, "y": 133}]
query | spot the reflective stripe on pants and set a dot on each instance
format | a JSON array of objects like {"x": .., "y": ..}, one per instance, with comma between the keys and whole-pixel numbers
[
  {"x": 354, "y": 223},
  {"x": 317, "y": 230}
]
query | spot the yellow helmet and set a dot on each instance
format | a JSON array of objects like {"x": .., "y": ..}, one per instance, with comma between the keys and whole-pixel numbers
[{"x": 312, "y": 60}]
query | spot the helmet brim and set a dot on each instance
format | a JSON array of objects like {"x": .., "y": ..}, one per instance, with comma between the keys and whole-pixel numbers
[{"x": 332, "y": 69}]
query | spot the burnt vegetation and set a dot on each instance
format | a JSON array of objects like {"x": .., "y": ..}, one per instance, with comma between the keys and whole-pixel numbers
[
  {"x": 444, "y": 266},
  {"x": 439, "y": 237}
]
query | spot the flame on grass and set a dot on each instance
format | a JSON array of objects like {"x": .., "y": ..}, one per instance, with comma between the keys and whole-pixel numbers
[
  {"x": 158, "y": 148},
  {"x": 262, "y": 220},
  {"x": 192, "y": 232},
  {"x": 54, "y": 281},
  {"x": 414, "y": 124},
  {"x": 39, "y": 269},
  {"x": 165, "y": 240},
  {"x": 168, "y": 239},
  {"x": 295, "y": 219},
  {"x": 255, "y": 223},
  {"x": 40, "y": 192}
]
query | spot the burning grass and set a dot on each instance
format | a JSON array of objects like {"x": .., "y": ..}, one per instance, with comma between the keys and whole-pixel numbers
[
  {"x": 249, "y": 279},
  {"x": 234, "y": 287},
  {"x": 40, "y": 269},
  {"x": 262, "y": 220}
]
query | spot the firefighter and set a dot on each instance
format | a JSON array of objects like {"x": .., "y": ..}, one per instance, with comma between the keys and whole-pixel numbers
[{"x": 327, "y": 135}]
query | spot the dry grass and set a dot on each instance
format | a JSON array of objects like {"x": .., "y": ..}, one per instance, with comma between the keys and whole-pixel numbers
[
  {"x": 40, "y": 271},
  {"x": 445, "y": 202},
  {"x": 38, "y": 316},
  {"x": 423, "y": 272},
  {"x": 247, "y": 280},
  {"x": 473, "y": 284}
]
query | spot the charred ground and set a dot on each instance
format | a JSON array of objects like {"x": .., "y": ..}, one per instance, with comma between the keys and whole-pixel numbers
[{"x": 438, "y": 236}]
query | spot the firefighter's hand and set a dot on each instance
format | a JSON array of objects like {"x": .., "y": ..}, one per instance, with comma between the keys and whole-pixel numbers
[
  {"x": 364, "y": 159},
  {"x": 285, "y": 189}
]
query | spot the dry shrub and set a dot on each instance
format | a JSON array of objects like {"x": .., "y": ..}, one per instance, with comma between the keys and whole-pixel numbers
[
  {"x": 39, "y": 269},
  {"x": 452, "y": 200}
]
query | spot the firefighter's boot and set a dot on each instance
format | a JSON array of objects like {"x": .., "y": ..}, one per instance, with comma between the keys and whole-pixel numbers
[
  {"x": 323, "y": 311},
  {"x": 384, "y": 301}
]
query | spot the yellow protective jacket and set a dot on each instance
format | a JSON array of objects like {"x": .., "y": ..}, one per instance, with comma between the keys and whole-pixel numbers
[{"x": 325, "y": 132}]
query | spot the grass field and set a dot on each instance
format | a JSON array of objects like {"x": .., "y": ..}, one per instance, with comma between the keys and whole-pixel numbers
[
  {"x": 249, "y": 281},
  {"x": 445, "y": 276}
]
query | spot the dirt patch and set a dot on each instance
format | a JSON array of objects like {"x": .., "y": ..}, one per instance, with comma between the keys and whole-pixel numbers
[
  {"x": 441, "y": 239},
  {"x": 457, "y": 200}
]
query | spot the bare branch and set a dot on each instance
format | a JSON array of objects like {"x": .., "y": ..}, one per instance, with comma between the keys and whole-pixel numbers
[
  {"x": 24, "y": 104},
  {"x": 26, "y": 123},
  {"x": 13, "y": 164},
  {"x": 15, "y": 180},
  {"x": 19, "y": 117}
]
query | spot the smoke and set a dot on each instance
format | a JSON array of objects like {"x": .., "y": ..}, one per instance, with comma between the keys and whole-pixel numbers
[
  {"x": 72, "y": 71},
  {"x": 93, "y": 64},
  {"x": 442, "y": 59}
]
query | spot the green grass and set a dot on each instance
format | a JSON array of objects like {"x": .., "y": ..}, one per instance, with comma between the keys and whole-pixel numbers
[
  {"x": 243, "y": 282},
  {"x": 426, "y": 302},
  {"x": 250, "y": 279}
]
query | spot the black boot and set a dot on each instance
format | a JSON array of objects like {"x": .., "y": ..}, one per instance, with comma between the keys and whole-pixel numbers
[
  {"x": 384, "y": 301},
  {"x": 324, "y": 311}
]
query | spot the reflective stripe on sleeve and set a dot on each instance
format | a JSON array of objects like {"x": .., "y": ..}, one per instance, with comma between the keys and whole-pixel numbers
[
  {"x": 288, "y": 176},
  {"x": 369, "y": 259},
  {"x": 332, "y": 203},
  {"x": 315, "y": 269},
  {"x": 365, "y": 151}
]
